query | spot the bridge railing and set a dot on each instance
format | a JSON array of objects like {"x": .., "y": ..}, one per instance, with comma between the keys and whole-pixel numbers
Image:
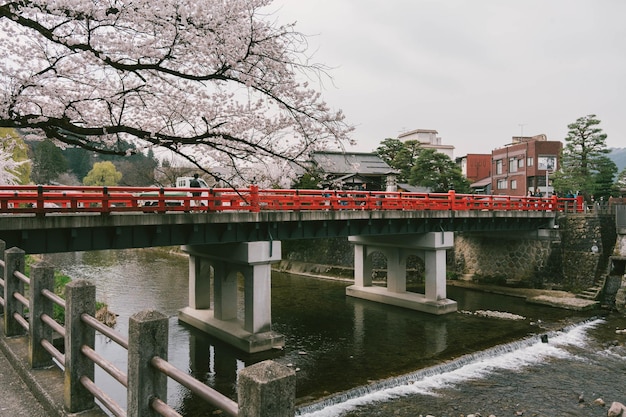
[
  {"x": 146, "y": 344},
  {"x": 41, "y": 200}
]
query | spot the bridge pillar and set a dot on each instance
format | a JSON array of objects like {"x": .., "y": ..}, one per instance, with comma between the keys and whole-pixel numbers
[
  {"x": 431, "y": 247},
  {"x": 252, "y": 260}
]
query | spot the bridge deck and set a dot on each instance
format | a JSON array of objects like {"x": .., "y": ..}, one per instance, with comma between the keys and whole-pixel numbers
[{"x": 91, "y": 231}]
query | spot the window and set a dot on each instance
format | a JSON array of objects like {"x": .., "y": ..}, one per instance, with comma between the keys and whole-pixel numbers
[
  {"x": 501, "y": 184},
  {"x": 513, "y": 184},
  {"x": 520, "y": 163},
  {"x": 529, "y": 161},
  {"x": 512, "y": 165},
  {"x": 499, "y": 166}
]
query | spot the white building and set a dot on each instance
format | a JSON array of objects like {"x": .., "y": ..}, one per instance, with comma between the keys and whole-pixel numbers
[{"x": 428, "y": 140}]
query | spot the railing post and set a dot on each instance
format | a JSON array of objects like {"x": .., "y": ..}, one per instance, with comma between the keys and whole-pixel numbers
[
  {"x": 106, "y": 207},
  {"x": 13, "y": 261},
  {"x": 580, "y": 204},
  {"x": 254, "y": 199},
  {"x": 80, "y": 298},
  {"x": 40, "y": 210},
  {"x": 147, "y": 338},
  {"x": 266, "y": 389},
  {"x": 452, "y": 198},
  {"x": 41, "y": 278},
  {"x": 3, "y": 246}
]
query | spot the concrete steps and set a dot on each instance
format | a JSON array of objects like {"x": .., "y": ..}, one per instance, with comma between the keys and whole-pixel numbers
[{"x": 592, "y": 293}]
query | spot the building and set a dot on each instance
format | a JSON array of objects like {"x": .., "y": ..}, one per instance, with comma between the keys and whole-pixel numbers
[
  {"x": 428, "y": 139},
  {"x": 525, "y": 166},
  {"x": 354, "y": 170},
  {"x": 475, "y": 166}
]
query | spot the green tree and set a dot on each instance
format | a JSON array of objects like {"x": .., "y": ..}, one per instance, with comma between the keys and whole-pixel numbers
[
  {"x": 401, "y": 156},
  {"x": 438, "y": 172},
  {"x": 582, "y": 157},
  {"x": 103, "y": 173},
  {"x": 48, "y": 162},
  {"x": 604, "y": 172}
]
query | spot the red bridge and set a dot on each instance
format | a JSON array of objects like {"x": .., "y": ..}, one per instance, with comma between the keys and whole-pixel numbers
[
  {"x": 239, "y": 231},
  {"x": 42, "y": 200}
]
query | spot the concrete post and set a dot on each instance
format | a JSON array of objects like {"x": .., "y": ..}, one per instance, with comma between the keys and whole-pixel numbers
[
  {"x": 362, "y": 267},
  {"x": 13, "y": 261},
  {"x": 80, "y": 298},
  {"x": 41, "y": 277},
  {"x": 147, "y": 338},
  {"x": 199, "y": 283},
  {"x": 396, "y": 270},
  {"x": 258, "y": 299},
  {"x": 266, "y": 389},
  {"x": 435, "y": 269},
  {"x": 225, "y": 299},
  {"x": 3, "y": 246}
]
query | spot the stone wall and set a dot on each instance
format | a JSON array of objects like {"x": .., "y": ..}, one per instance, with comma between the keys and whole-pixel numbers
[
  {"x": 509, "y": 259},
  {"x": 562, "y": 259}
]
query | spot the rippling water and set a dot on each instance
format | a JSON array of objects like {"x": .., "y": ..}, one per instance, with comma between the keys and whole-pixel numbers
[{"x": 337, "y": 344}]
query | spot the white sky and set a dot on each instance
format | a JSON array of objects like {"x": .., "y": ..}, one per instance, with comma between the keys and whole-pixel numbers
[{"x": 477, "y": 71}]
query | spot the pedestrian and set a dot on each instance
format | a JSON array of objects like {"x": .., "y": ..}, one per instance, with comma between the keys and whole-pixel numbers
[{"x": 194, "y": 183}]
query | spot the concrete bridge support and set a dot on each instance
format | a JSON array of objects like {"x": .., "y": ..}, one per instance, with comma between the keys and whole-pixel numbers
[
  {"x": 431, "y": 247},
  {"x": 252, "y": 332}
]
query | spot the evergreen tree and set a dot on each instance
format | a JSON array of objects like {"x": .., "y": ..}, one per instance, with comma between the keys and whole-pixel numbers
[
  {"x": 438, "y": 172},
  {"x": 48, "y": 162},
  {"x": 399, "y": 155},
  {"x": 582, "y": 157},
  {"x": 603, "y": 178}
]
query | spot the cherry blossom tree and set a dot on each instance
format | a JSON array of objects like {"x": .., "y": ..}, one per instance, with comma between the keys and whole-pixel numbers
[{"x": 216, "y": 82}]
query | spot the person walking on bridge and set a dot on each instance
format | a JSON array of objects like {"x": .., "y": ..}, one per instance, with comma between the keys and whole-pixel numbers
[{"x": 194, "y": 183}]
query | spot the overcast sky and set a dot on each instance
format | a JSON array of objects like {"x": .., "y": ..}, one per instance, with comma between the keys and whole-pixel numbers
[{"x": 477, "y": 71}]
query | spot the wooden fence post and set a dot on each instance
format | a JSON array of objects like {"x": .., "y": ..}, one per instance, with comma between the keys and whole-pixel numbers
[
  {"x": 147, "y": 338},
  {"x": 14, "y": 259},
  {"x": 3, "y": 246},
  {"x": 266, "y": 389},
  {"x": 80, "y": 298},
  {"x": 41, "y": 278}
]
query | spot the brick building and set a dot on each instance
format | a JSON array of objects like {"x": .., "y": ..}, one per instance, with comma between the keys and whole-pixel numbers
[{"x": 525, "y": 165}]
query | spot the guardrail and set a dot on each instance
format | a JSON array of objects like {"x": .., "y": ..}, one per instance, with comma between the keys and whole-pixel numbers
[
  {"x": 264, "y": 389},
  {"x": 41, "y": 200}
]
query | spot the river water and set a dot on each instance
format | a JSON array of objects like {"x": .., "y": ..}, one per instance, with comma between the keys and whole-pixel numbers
[{"x": 357, "y": 358}]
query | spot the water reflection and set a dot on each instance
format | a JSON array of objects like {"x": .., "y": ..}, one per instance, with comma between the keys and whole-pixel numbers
[{"x": 335, "y": 342}]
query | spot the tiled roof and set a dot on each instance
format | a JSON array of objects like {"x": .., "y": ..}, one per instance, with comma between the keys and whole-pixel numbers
[{"x": 351, "y": 162}]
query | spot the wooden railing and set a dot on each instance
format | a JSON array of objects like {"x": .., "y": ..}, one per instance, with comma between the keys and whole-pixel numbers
[
  {"x": 147, "y": 345},
  {"x": 65, "y": 199}
]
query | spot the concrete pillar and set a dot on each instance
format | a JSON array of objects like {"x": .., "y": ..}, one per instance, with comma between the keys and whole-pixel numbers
[
  {"x": 253, "y": 260},
  {"x": 396, "y": 270},
  {"x": 258, "y": 299},
  {"x": 199, "y": 283},
  {"x": 80, "y": 298},
  {"x": 41, "y": 278},
  {"x": 147, "y": 338},
  {"x": 362, "y": 267},
  {"x": 435, "y": 264},
  {"x": 226, "y": 292},
  {"x": 14, "y": 260},
  {"x": 266, "y": 389},
  {"x": 430, "y": 246}
]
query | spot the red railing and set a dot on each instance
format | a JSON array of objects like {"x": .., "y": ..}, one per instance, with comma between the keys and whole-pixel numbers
[{"x": 40, "y": 200}]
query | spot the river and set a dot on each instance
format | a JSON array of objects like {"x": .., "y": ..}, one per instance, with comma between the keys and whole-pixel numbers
[{"x": 357, "y": 358}]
